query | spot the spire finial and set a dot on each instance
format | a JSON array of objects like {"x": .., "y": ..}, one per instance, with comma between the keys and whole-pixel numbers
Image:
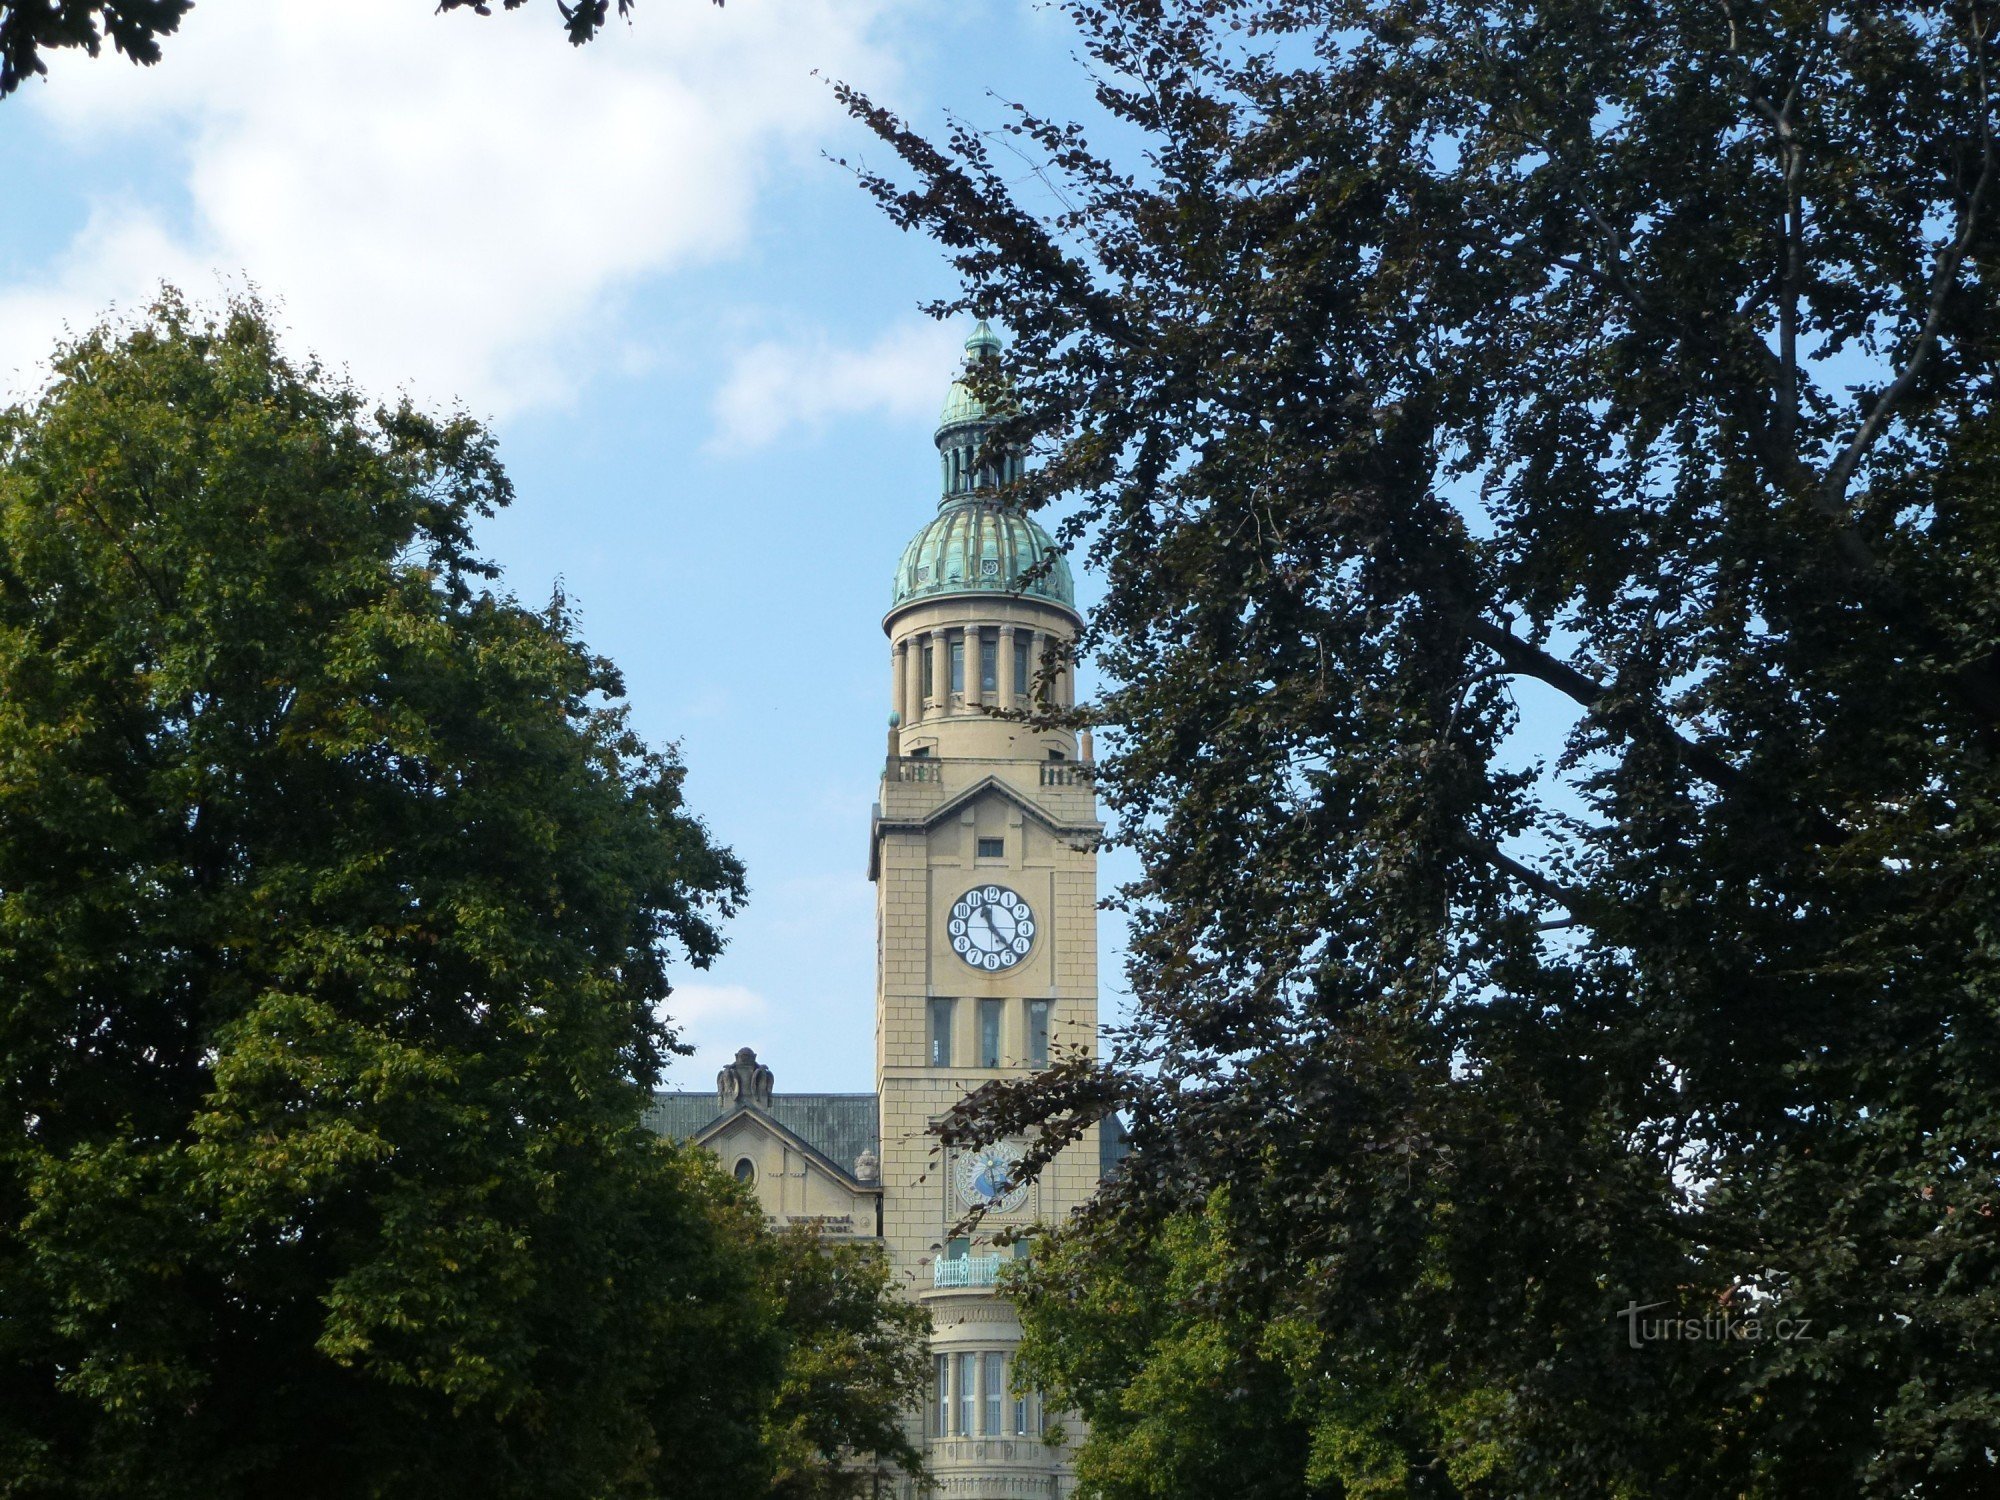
[{"x": 984, "y": 341}]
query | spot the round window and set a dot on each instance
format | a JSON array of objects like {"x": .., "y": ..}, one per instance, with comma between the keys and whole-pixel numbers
[{"x": 746, "y": 1170}]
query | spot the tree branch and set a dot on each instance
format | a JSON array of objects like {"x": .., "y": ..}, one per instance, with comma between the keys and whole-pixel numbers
[
  {"x": 1833, "y": 492},
  {"x": 1528, "y": 660},
  {"x": 1552, "y": 891}
]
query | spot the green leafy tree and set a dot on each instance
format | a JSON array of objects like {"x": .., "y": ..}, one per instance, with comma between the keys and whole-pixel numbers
[
  {"x": 1409, "y": 363},
  {"x": 31, "y": 28},
  {"x": 1177, "y": 1386},
  {"x": 856, "y": 1365},
  {"x": 335, "y": 899}
]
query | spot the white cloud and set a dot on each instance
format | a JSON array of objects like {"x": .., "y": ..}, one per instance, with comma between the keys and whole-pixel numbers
[
  {"x": 807, "y": 382},
  {"x": 444, "y": 202},
  {"x": 120, "y": 258}
]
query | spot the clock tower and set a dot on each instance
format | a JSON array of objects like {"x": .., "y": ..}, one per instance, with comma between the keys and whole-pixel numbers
[{"x": 983, "y": 855}]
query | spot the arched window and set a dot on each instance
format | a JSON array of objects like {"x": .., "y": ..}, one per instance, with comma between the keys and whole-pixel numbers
[{"x": 746, "y": 1169}]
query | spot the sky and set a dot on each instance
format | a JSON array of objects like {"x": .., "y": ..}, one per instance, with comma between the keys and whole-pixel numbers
[{"x": 697, "y": 340}]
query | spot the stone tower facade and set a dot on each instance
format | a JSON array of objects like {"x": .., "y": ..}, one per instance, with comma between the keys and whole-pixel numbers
[
  {"x": 985, "y": 869},
  {"x": 983, "y": 855}
]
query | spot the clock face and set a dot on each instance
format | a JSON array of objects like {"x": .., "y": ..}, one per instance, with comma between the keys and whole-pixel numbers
[
  {"x": 991, "y": 928},
  {"x": 986, "y": 1178}
]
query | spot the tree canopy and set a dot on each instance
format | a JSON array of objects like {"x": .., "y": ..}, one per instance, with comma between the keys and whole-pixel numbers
[
  {"x": 857, "y": 1365},
  {"x": 336, "y": 901},
  {"x": 31, "y": 28},
  {"x": 1411, "y": 365}
]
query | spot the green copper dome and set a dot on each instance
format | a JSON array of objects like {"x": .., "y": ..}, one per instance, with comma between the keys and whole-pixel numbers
[
  {"x": 975, "y": 544},
  {"x": 960, "y": 405}
]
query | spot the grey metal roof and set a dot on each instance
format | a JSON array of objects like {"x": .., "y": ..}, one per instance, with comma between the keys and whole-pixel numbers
[{"x": 838, "y": 1126}]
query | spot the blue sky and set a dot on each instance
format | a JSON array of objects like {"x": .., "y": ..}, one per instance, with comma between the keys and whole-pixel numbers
[{"x": 697, "y": 341}]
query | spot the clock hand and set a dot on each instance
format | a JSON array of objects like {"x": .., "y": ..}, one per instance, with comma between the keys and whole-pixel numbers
[{"x": 987, "y": 913}]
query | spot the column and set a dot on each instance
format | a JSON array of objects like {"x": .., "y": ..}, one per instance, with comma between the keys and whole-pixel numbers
[
  {"x": 899, "y": 681},
  {"x": 1006, "y": 649},
  {"x": 913, "y": 679}
]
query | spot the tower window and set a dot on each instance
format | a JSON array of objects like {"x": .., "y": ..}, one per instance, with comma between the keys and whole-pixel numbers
[
  {"x": 994, "y": 1384},
  {"x": 989, "y": 1033},
  {"x": 942, "y": 1413},
  {"x": 1021, "y": 681},
  {"x": 941, "y": 1033},
  {"x": 993, "y": 848},
  {"x": 958, "y": 666},
  {"x": 746, "y": 1169},
  {"x": 1038, "y": 1033},
  {"x": 1020, "y": 1414},
  {"x": 1057, "y": 755},
  {"x": 989, "y": 664},
  {"x": 968, "y": 1394},
  {"x": 930, "y": 675}
]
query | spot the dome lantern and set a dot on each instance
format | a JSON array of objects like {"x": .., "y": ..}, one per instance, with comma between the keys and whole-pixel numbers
[{"x": 975, "y": 544}]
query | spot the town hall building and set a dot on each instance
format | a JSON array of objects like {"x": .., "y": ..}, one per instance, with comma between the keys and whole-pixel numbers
[{"x": 982, "y": 849}]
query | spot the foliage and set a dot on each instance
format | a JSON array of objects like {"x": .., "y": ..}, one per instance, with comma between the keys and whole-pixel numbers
[
  {"x": 1422, "y": 361},
  {"x": 335, "y": 899},
  {"x": 30, "y": 28},
  {"x": 856, "y": 1365},
  {"x": 1177, "y": 1386}
]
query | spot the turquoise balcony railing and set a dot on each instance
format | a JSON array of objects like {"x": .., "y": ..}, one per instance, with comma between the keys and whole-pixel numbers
[{"x": 965, "y": 1270}]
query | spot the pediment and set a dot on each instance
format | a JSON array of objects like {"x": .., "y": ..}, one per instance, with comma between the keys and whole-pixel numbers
[
  {"x": 953, "y": 805},
  {"x": 715, "y": 1135}
]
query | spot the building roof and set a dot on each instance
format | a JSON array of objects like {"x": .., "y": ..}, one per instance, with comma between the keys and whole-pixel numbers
[
  {"x": 838, "y": 1126},
  {"x": 975, "y": 544},
  {"x": 960, "y": 404}
]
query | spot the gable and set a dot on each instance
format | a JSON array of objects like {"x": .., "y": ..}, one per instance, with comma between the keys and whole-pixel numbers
[{"x": 794, "y": 1183}]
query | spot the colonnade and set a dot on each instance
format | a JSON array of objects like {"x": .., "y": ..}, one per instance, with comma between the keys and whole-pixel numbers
[{"x": 941, "y": 672}]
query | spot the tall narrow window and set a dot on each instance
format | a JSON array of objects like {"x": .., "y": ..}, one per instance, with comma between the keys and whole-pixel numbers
[
  {"x": 968, "y": 1394},
  {"x": 989, "y": 1033},
  {"x": 993, "y": 1386},
  {"x": 929, "y": 672},
  {"x": 941, "y": 1413},
  {"x": 989, "y": 663},
  {"x": 1038, "y": 1033},
  {"x": 1021, "y": 681},
  {"x": 958, "y": 665},
  {"x": 941, "y": 1033},
  {"x": 1020, "y": 1413}
]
